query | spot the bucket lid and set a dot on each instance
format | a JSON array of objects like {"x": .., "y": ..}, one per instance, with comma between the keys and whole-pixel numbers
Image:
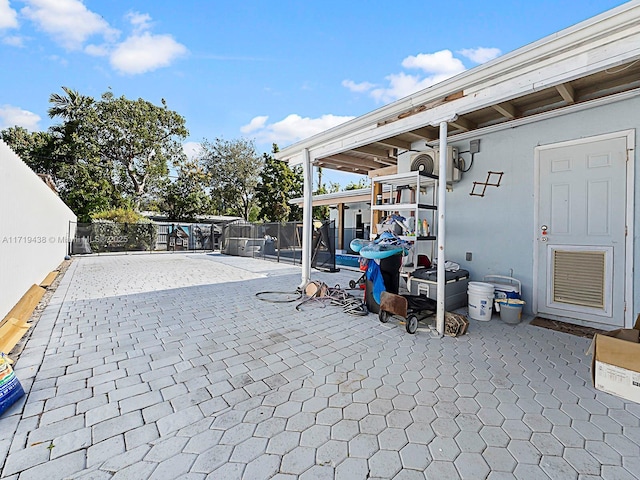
[
  {"x": 481, "y": 285},
  {"x": 503, "y": 287},
  {"x": 513, "y": 302}
]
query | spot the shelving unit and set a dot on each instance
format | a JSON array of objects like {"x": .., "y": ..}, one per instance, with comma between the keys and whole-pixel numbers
[{"x": 417, "y": 182}]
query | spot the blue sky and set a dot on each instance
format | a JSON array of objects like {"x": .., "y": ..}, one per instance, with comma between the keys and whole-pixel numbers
[{"x": 274, "y": 71}]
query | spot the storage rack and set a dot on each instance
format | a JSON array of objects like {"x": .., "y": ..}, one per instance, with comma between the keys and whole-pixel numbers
[{"x": 417, "y": 181}]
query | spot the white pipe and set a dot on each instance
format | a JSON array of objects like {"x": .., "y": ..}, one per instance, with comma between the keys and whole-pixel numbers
[
  {"x": 307, "y": 217},
  {"x": 442, "y": 192}
]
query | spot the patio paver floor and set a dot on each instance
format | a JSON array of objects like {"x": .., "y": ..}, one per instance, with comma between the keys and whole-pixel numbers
[{"x": 168, "y": 366}]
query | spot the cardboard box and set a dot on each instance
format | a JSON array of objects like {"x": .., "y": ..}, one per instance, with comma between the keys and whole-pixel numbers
[{"x": 615, "y": 367}]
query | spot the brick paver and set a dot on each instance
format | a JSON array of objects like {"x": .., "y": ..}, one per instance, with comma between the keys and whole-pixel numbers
[{"x": 169, "y": 366}]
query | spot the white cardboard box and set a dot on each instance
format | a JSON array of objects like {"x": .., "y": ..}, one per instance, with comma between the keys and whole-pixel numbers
[{"x": 615, "y": 367}]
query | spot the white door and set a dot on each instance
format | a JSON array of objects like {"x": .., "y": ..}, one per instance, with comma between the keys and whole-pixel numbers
[{"x": 581, "y": 231}]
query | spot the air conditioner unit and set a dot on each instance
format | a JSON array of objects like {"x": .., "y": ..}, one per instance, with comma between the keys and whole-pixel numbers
[{"x": 429, "y": 160}]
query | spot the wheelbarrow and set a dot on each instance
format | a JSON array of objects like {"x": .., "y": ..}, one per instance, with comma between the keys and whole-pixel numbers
[{"x": 412, "y": 308}]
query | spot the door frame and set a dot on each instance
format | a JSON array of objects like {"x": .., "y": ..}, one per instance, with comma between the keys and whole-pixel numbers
[{"x": 630, "y": 136}]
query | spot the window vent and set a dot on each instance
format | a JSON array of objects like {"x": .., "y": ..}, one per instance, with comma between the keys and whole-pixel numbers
[{"x": 579, "y": 278}]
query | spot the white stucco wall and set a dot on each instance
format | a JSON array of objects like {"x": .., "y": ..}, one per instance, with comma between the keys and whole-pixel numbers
[
  {"x": 34, "y": 226},
  {"x": 498, "y": 228}
]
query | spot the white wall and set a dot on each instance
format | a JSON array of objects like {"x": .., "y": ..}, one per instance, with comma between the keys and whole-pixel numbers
[
  {"x": 34, "y": 226},
  {"x": 498, "y": 228}
]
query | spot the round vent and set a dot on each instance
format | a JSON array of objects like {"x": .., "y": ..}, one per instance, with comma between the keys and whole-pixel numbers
[{"x": 423, "y": 162}]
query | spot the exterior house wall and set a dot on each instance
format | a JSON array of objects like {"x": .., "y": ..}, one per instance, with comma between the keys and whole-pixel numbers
[
  {"x": 349, "y": 226},
  {"x": 498, "y": 228},
  {"x": 34, "y": 227}
]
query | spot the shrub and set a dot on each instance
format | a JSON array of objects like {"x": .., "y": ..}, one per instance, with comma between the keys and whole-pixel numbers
[
  {"x": 122, "y": 229},
  {"x": 120, "y": 215}
]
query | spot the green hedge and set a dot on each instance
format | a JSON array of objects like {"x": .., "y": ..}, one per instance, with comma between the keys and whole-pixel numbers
[{"x": 108, "y": 236}]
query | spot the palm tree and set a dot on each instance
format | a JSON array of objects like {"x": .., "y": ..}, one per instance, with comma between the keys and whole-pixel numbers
[{"x": 70, "y": 106}]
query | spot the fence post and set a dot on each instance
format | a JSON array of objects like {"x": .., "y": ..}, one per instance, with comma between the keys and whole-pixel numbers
[
  {"x": 278, "y": 239},
  {"x": 69, "y": 237}
]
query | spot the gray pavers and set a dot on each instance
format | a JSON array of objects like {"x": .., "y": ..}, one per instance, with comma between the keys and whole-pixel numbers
[{"x": 168, "y": 366}]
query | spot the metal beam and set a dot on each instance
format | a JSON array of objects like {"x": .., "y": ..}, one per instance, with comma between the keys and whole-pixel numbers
[
  {"x": 307, "y": 218},
  {"x": 442, "y": 193}
]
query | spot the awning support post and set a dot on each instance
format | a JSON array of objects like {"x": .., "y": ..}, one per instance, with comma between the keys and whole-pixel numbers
[
  {"x": 442, "y": 192},
  {"x": 307, "y": 217}
]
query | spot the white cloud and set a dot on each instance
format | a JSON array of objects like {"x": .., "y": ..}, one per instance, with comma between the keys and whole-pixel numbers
[
  {"x": 256, "y": 123},
  {"x": 480, "y": 54},
  {"x": 97, "y": 50},
  {"x": 400, "y": 85},
  {"x": 62, "y": 61},
  {"x": 71, "y": 25},
  {"x": 442, "y": 62},
  {"x": 435, "y": 68},
  {"x": 191, "y": 149},
  {"x": 294, "y": 128},
  {"x": 11, "y": 116},
  {"x": 140, "y": 21},
  {"x": 69, "y": 22},
  {"x": 146, "y": 52},
  {"x": 8, "y": 16},
  {"x": 13, "y": 41},
  {"x": 357, "y": 87}
]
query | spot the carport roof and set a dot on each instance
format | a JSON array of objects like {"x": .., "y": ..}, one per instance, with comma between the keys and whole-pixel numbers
[{"x": 596, "y": 60}]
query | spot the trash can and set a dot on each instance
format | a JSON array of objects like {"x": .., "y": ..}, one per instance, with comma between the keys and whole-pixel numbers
[{"x": 390, "y": 270}]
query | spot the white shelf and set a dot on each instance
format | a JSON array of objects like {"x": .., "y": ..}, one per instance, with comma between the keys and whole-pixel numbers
[
  {"x": 387, "y": 207},
  {"x": 414, "y": 180},
  {"x": 407, "y": 178},
  {"x": 413, "y": 238}
]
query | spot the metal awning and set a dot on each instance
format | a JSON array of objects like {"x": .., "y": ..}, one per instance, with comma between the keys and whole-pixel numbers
[
  {"x": 384, "y": 152},
  {"x": 593, "y": 60}
]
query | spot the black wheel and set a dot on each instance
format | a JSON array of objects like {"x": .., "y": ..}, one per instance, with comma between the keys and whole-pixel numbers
[
  {"x": 412, "y": 324},
  {"x": 384, "y": 316},
  {"x": 352, "y": 284}
]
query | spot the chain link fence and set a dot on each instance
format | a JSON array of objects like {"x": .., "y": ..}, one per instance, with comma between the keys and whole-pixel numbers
[
  {"x": 107, "y": 236},
  {"x": 281, "y": 242}
]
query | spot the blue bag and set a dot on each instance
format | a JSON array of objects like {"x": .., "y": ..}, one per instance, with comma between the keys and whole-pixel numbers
[{"x": 10, "y": 388}]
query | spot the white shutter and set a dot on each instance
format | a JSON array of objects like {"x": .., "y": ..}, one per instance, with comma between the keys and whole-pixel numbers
[{"x": 579, "y": 278}]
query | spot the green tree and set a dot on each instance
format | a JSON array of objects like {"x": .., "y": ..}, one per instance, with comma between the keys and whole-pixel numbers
[
  {"x": 36, "y": 149},
  {"x": 278, "y": 184},
  {"x": 362, "y": 183},
  {"x": 108, "y": 153},
  {"x": 86, "y": 182},
  {"x": 82, "y": 183},
  {"x": 139, "y": 139},
  {"x": 234, "y": 167},
  {"x": 321, "y": 212},
  {"x": 296, "y": 192},
  {"x": 186, "y": 198}
]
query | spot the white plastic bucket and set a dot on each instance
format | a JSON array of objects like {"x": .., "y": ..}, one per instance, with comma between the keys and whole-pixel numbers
[{"x": 480, "y": 300}]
